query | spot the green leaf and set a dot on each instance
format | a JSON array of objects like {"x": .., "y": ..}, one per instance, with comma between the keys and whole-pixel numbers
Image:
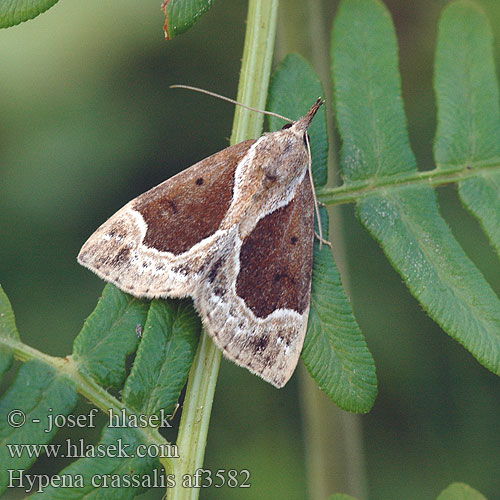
[
  {"x": 109, "y": 336},
  {"x": 294, "y": 89},
  {"x": 13, "y": 12},
  {"x": 460, "y": 491},
  {"x": 8, "y": 332},
  {"x": 335, "y": 351},
  {"x": 164, "y": 357},
  {"x": 468, "y": 132},
  {"x": 481, "y": 195},
  {"x": 437, "y": 271},
  {"x": 110, "y": 477},
  {"x": 466, "y": 89},
  {"x": 37, "y": 392},
  {"x": 369, "y": 107},
  {"x": 180, "y": 15},
  {"x": 405, "y": 220}
]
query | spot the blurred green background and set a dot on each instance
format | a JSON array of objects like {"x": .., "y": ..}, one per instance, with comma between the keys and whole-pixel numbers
[{"x": 87, "y": 122}]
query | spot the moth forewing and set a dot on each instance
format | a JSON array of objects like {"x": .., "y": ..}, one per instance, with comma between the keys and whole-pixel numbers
[{"x": 159, "y": 243}]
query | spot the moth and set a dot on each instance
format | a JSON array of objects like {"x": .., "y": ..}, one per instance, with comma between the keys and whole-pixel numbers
[{"x": 235, "y": 232}]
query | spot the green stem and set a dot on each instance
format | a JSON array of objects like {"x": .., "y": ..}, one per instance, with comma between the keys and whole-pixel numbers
[
  {"x": 87, "y": 387},
  {"x": 255, "y": 68},
  {"x": 333, "y": 444},
  {"x": 196, "y": 411},
  {"x": 354, "y": 191},
  {"x": 252, "y": 91},
  {"x": 67, "y": 366}
]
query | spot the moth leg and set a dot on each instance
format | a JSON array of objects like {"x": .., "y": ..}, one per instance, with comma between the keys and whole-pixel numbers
[{"x": 315, "y": 198}]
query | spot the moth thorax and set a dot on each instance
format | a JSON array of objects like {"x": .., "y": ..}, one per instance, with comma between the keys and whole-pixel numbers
[{"x": 285, "y": 161}]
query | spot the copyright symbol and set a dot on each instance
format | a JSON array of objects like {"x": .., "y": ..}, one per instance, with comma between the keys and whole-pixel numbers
[{"x": 16, "y": 418}]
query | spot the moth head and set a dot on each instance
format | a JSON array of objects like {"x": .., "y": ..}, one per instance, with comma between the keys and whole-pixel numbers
[
  {"x": 287, "y": 151},
  {"x": 299, "y": 127},
  {"x": 302, "y": 124},
  {"x": 305, "y": 135}
]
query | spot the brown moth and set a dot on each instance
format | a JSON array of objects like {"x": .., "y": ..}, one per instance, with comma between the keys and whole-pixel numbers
[{"x": 235, "y": 232}]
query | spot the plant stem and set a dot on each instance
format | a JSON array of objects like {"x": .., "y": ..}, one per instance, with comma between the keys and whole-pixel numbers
[
  {"x": 255, "y": 68},
  {"x": 84, "y": 384},
  {"x": 252, "y": 91},
  {"x": 196, "y": 411},
  {"x": 333, "y": 444},
  {"x": 355, "y": 191},
  {"x": 66, "y": 366}
]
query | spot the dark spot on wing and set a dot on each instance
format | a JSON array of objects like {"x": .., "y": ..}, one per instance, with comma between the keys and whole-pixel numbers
[
  {"x": 121, "y": 256},
  {"x": 182, "y": 269},
  {"x": 212, "y": 274},
  {"x": 173, "y": 206},
  {"x": 199, "y": 181},
  {"x": 260, "y": 343}
]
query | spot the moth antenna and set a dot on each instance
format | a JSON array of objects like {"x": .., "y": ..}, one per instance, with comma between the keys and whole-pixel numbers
[
  {"x": 232, "y": 101},
  {"x": 316, "y": 202}
]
